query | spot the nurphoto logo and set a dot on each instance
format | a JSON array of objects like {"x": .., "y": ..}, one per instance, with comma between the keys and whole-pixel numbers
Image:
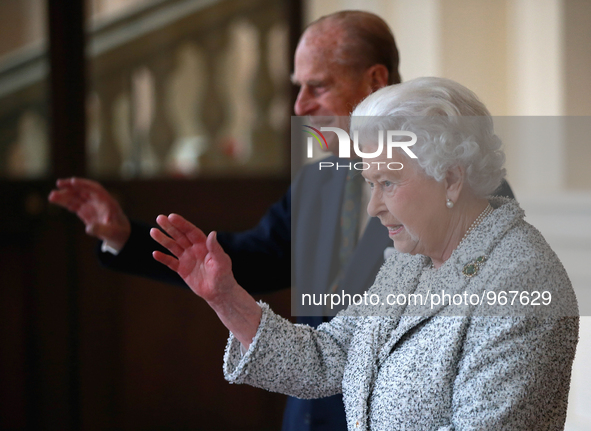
[{"x": 345, "y": 146}]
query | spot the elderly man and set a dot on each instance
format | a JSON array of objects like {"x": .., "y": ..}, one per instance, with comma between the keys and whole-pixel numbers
[{"x": 340, "y": 59}]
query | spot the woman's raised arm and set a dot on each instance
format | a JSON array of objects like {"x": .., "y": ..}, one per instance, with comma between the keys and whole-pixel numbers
[{"x": 202, "y": 263}]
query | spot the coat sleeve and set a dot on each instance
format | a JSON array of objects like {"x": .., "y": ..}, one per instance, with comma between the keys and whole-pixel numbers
[
  {"x": 514, "y": 373},
  {"x": 292, "y": 359},
  {"x": 261, "y": 257},
  {"x": 136, "y": 257}
]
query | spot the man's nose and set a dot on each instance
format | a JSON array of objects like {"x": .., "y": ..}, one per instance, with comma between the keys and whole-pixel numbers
[{"x": 305, "y": 104}]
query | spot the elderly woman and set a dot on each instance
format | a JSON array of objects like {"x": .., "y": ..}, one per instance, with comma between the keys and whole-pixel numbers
[{"x": 496, "y": 357}]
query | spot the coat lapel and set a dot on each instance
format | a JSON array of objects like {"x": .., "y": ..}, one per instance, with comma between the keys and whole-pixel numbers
[
  {"x": 450, "y": 278},
  {"x": 414, "y": 315}
]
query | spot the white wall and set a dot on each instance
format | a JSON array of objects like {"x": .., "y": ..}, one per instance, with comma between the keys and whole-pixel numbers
[{"x": 522, "y": 57}]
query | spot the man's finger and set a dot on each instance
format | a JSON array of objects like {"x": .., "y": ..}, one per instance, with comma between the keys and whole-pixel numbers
[
  {"x": 63, "y": 182},
  {"x": 58, "y": 198},
  {"x": 73, "y": 184},
  {"x": 84, "y": 186},
  {"x": 62, "y": 197},
  {"x": 93, "y": 229},
  {"x": 88, "y": 185}
]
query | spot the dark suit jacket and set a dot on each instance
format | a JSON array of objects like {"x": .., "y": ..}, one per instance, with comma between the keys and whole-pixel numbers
[{"x": 296, "y": 243}]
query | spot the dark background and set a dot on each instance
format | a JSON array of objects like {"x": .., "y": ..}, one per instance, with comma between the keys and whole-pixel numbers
[{"x": 82, "y": 347}]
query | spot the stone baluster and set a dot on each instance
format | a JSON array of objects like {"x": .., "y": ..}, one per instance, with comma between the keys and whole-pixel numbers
[
  {"x": 161, "y": 133},
  {"x": 213, "y": 113},
  {"x": 108, "y": 157},
  {"x": 265, "y": 140}
]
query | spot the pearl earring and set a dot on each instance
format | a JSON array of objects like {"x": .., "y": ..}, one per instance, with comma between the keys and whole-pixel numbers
[{"x": 449, "y": 203}]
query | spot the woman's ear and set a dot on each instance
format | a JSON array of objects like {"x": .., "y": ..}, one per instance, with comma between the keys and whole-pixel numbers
[{"x": 454, "y": 182}]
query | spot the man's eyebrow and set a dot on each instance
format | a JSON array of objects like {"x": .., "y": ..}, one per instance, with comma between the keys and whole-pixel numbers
[{"x": 312, "y": 82}]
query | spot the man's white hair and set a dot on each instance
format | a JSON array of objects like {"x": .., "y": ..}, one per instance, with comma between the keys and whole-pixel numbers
[{"x": 452, "y": 125}]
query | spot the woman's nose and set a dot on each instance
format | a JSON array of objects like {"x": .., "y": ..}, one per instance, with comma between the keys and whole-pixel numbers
[{"x": 376, "y": 204}]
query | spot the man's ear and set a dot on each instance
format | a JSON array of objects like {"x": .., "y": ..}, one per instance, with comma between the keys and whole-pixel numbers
[
  {"x": 454, "y": 182},
  {"x": 377, "y": 76}
]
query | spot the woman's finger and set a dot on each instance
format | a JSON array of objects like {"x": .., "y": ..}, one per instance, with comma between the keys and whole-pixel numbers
[
  {"x": 166, "y": 242},
  {"x": 164, "y": 222},
  {"x": 167, "y": 260},
  {"x": 189, "y": 230},
  {"x": 213, "y": 246},
  {"x": 217, "y": 255}
]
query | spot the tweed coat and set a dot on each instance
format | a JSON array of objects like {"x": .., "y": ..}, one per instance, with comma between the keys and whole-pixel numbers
[{"x": 438, "y": 367}]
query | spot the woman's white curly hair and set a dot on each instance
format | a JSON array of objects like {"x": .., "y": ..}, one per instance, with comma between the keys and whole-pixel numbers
[{"x": 453, "y": 128}]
